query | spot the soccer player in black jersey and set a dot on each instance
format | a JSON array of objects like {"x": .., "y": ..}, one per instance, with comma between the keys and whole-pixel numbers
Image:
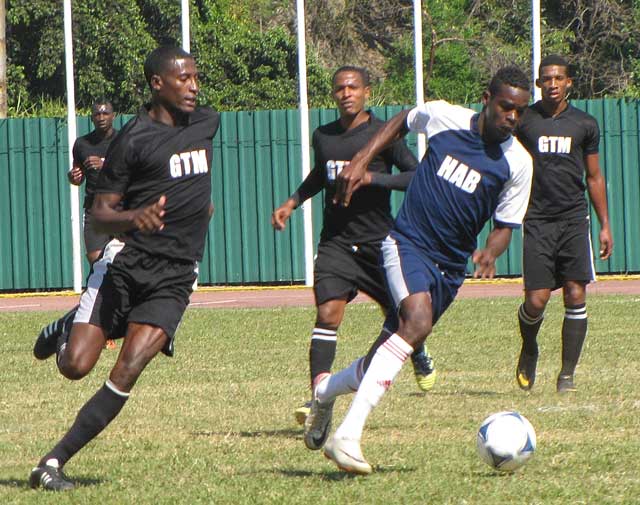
[
  {"x": 563, "y": 142},
  {"x": 88, "y": 156},
  {"x": 155, "y": 191},
  {"x": 349, "y": 248}
]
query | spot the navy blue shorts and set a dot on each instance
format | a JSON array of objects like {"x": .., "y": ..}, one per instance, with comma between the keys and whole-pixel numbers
[{"x": 409, "y": 270}]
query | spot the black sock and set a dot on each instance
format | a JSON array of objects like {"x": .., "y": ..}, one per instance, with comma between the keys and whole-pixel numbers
[
  {"x": 92, "y": 418},
  {"x": 529, "y": 327},
  {"x": 382, "y": 338},
  {"x": 322, "y": 350},
  {"x": 419, "y": 350},
  {"x": 574, "y": 331}
]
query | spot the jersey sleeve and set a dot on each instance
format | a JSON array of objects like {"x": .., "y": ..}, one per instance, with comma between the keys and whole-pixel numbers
[
  {"x": 419, "y": 117},
  {"x": 592, "y": 137},
  {"x": 514, "y": 197},
  {"x": 77, "y": 155},
  {"x": 116, "y": 170}
]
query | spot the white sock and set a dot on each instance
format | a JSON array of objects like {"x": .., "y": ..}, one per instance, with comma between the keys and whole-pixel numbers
[
  {"x": 384, "y": 367},
  {"x": 344, "y": 382}
]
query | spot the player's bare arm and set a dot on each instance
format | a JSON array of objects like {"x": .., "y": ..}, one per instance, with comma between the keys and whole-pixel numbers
[
  {"x": 598, "y": 194},
  {"x": 485, "y": 259},
  {"x": 111, "y": 220},
  {"x": 281, "y": 215},
  {"x": 75, "y": 175},
  {"x": 351, "y": 177}
]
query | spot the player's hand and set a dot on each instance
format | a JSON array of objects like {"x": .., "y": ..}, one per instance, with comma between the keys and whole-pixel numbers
[
  {"x": 75, "y": 175},
  {"x": 485, "y": 262},
  {"x": 281, "y": 215},
  {"x": 149, "y": 219},
  {"x": 606, "y": 243},
  {"x": 349, "y": 180},
  {"x": 93, "y": 163}
]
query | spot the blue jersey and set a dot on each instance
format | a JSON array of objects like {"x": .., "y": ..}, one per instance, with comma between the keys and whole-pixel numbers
[{"x": 460, "y": 184}]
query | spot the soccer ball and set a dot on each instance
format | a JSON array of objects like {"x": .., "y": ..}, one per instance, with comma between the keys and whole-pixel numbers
[{"x": 506, "y": 440}]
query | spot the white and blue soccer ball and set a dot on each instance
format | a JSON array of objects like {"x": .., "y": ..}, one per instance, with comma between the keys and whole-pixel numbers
[{"x": 506, "y": 441}]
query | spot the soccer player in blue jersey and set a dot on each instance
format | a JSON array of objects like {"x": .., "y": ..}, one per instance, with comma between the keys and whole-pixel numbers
[{"x": 474, "y": 170}]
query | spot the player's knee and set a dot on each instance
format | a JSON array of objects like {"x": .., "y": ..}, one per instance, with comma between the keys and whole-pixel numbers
[
  {"x": 535, "y": 305},
  {"x": 74, "y": 367},
  {"x": 329, "y": 316}
]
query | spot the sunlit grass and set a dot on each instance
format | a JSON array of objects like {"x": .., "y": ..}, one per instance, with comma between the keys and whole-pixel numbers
[{"x": 215, "y": 424}]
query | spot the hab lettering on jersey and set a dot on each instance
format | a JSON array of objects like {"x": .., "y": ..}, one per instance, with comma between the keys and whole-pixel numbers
[
  {"x": 334, "y": 167},
  {"x": 192, "y": 162},
  {"x": 458, "y": 173},
  {"x": 553, "y": 144}
]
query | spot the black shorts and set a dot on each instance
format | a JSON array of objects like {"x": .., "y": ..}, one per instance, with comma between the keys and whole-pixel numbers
[
  {"x": 342, "y": 270},
  {"x": 556, "y": 251},
  {"x": 93, "y": 240},
  {"x": 145, "y": 289}
]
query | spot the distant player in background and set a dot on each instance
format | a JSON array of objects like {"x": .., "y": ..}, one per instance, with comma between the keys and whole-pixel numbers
[
  {"x": 474, "y": 170},
  {"x": 557, "y": 252},
  {"x": 160, "y": 167},
  {"x": 88, "y": 157},
  {"x": 89, "y": 152},
  {"x": 349, "y": 248}
]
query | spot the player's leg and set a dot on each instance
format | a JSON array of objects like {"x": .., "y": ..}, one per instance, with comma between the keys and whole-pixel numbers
[
  {"x": 94, "y": 244},
  {"x": 58, "y": 331},
  {"x": 370, "y": 279},
  {"x": 539, "y": 274},
  {"x": 333, "y": 288},
  {"x": 422, "y": 293},
  {"x": 530, "y": 317},
  {"x": 574, "y": 332},
  {"x": 141, "y": 344},
  {"x": 576, "y": 267},
  {"x": 415, "y": 324}
]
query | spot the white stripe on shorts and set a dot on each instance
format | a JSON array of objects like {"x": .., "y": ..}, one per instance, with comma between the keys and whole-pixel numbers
[
  {"x": 88, "y": 298},
  {"x": 393, "y": 270}
]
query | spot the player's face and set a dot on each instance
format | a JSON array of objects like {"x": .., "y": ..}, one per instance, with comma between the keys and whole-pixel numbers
[
  {"x": 178, "y": 86},
  {"x": 102, "y": 117},
  {"x": 350, "y": 93},
  {"x": 553, "y": 83},
  {"x": 502, "y": 112}
]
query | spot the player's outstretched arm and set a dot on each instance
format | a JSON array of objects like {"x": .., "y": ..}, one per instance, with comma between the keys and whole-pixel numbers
[
  {"x": 109, "y": 219},
  {"x": 598, "y": 194},
  {"x": 351, "y": 177},
  {"x": 485, "y": 259}
]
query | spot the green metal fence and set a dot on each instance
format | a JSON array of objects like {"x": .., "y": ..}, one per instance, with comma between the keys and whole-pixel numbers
[{"x": 256, "y": 166}]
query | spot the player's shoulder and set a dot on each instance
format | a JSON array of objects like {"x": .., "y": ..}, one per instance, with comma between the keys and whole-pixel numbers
[
  {"x": 331, "y": 128},
  {"x": 516, "y": 154},
  {"x": 580, "y": 116}
]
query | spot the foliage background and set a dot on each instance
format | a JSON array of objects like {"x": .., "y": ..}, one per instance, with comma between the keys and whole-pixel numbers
[{"x": 246, "y": 49}]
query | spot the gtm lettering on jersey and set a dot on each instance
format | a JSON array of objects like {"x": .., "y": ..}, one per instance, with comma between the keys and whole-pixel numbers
[
  {"x": 334, "y": 168},
  {"x": 553, "y": 144},
  {"x": 192, "y": 162},
  {"x": 458, "y": 173}
]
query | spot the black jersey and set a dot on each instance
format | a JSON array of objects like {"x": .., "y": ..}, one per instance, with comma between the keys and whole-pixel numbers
[
  {"x": 368, "y": 216},
  {"x": 149, "y": 159},
  {"x": 558, "y": 146},
  {"x": 91, "y": 144}
]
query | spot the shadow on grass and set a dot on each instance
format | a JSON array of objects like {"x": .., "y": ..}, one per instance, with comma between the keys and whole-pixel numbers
[
  {"x": 286, "y": 433},
  {"x": 24, "y": 483},
  {"x": 456, "y": 393},
  {"x": 339, "y": 475}
]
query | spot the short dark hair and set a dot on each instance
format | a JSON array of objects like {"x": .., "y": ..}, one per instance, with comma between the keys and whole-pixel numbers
[
  {"x": 554, "y": 59},
  {"x": 510, "y": 76},
  {"x": 158, "y": 60},
  {"x": 100, "y": 101},
  {"x": 364, "y": 74}
]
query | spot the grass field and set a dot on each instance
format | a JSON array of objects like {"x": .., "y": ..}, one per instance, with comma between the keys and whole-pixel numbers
[{"x": 214, "y": 425}]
